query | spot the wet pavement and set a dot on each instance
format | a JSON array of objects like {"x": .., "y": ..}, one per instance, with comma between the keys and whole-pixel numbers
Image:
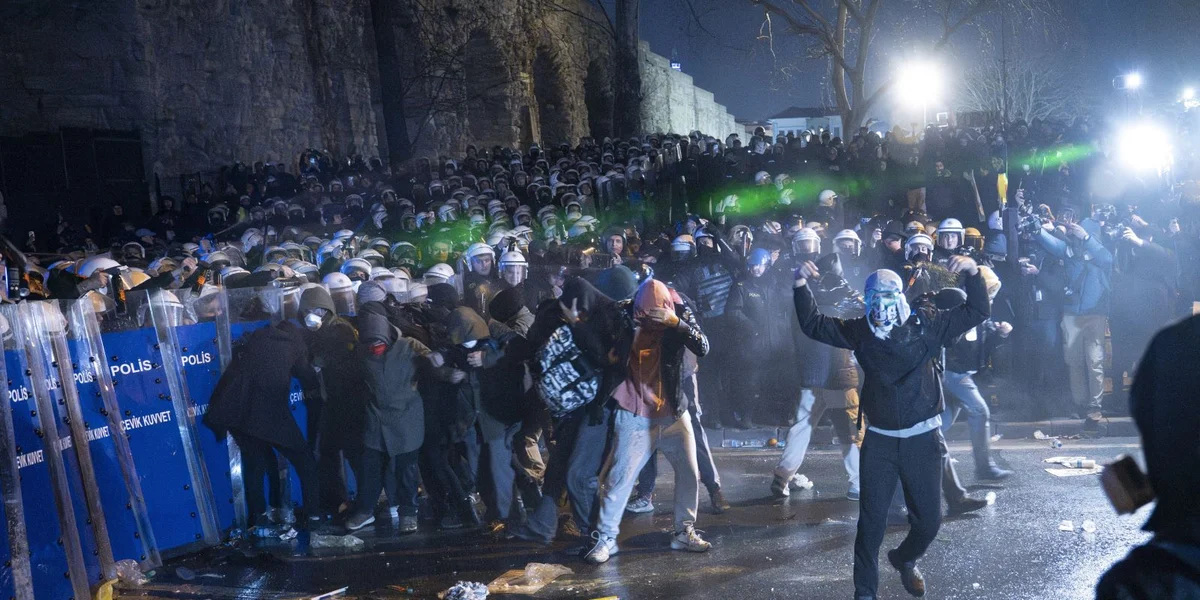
[{"x": 763, "y": 548}]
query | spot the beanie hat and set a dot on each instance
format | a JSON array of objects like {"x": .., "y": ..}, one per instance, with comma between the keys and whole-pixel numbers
[
  {"x": 370, "y": 291},
  {"x": 443, "y": 294}
]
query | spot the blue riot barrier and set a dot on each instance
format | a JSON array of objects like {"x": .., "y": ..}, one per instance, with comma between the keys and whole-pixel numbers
[{"x": 148, "y": 478}]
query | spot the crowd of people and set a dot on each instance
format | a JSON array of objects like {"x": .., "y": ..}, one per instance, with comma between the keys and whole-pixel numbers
[{"x": 498, "y": 330}]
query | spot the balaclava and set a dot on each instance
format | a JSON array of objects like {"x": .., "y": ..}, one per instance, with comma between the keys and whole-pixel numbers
[{"x": 886, "y": 305}]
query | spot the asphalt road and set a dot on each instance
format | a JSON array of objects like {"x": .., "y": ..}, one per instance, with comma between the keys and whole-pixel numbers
[{"x": 763, "y": 548}]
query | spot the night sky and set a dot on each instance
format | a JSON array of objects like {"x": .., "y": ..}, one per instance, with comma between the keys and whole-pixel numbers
[{"x": 1098, "y": 39}]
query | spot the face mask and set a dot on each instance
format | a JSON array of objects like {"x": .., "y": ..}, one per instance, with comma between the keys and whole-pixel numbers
[
  {"x": 884, "y": 313},
  {"x": 313, "y": 321},
  {"x": 470, "y": 344},
  {"x": 377, "y": 349}
]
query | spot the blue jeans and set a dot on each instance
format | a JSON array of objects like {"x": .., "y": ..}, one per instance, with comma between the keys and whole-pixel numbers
[
  {"x": 635, "y": 440},
  {"x": 708, "y": 468},
  {"x": 575, "y": 460},
  {"x": 963, "y": 395}
]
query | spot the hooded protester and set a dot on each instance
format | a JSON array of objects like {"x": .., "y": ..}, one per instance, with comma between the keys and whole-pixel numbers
[
  {"x": 902, "y": 401},
  {"x": 394, "y": 424},
  {"x": 251, "y": 402},
  {"x": 653, "y": 414},
  {"x": 332, "y": 344},
  {"x": 1167, "y": 419},
  {"x": 598, "y": 327},
  {"x": 828, "y": 380}
]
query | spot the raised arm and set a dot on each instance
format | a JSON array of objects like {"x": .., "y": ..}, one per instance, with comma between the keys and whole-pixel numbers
[
  {"x": 949, "y": 324},
  {"x": 825, "y": 329}
]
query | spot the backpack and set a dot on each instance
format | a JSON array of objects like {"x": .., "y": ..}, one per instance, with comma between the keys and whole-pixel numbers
[{"x": 563, "y": 378}]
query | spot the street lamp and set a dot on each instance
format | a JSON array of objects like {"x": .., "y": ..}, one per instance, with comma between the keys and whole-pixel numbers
[{"x": 918, "y": 84}]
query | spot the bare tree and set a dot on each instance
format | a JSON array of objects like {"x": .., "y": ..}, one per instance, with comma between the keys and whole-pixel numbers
[
  {"x": 844, "y": 32},
  {"x": 1038, "y": 87}
]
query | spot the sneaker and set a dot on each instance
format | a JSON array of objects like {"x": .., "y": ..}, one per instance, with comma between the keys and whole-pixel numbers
[
  {"x": 779, "y": 488},
  {"x": 689, "y": 539},
  {"x": 992, "y": 472},
  {"x": 641, "y": 504},
  {"x": 602, "y": 549},
  {"x": 719, "y": 505},
  {"x": 394, "y": 512},
  {"x": 852, "y": 495},
  {"x": 800, "y": 483},
  {"x": 408, "y": 524},
  {"x": 356, "y": 522},
  {"x": 450, "y": 521}
]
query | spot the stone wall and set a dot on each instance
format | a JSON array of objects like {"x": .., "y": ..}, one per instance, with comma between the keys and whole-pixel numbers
[
  {"x": 210, "y": 82},
  {"x": 672, "y": 103},
  {"x": 206, "y": 83}
]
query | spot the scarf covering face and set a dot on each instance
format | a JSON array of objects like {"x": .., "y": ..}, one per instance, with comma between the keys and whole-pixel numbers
[
  {"x": 886, "y": 305},
  {"x": 642, "y": 391}
]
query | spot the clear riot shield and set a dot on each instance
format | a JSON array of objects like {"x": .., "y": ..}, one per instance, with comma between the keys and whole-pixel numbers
[
  {"x": 19, "y": 583},
  {"x": 147, "y": 377},
  {"x": 130, "y": 533},
  {"x": 169, "y": 319},
  {"x": 203, "y": 325},
  {"x": 50, "y": 515},
  {"x": 45, "y": 323}
]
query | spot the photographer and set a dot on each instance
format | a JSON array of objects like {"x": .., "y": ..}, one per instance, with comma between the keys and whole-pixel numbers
[
  {"x": 1143, "y": 293},
  {"x": 1088, "y": 266}
]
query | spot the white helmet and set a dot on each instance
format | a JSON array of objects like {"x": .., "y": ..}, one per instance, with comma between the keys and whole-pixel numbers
[
  {"x": 439, "y": 273},
  {"x": 96, "y": 263},
  {"x": 397, "y": 288},
  {"x": 343, "y": 234},
  {"x": 849, "y": 235},
  {"x": 337, "y": 281},
  {"x": 401, "y": 274},
  {"x": 782, "y": 180},
  {"x": 762, "y": 178},
  {"x": 475, "y": 253},
  {"x": 357, "y": 268},
  {"x": 950, "y": 226},
  {"x": 252, "y": 239},
  {"x": 916, "y": 243},
  {"x": 372, "y": 256},
  {"x": 379, "y": 273},
  {"x": 827, "y": 198},
  {"x": 513, "y": 267},
  {"x": 806, "y": 241},
  {"x": 191, "y": 249}
]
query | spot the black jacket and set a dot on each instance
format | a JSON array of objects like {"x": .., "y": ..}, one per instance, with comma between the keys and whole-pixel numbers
[
  {"x": 903, "y": 386},
  {"x": 252, "y": 397}
]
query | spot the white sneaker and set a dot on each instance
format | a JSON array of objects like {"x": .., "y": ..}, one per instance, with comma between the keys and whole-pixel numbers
[
  {"x": 602, "y": 549},
  {"x": 640, "y": 505},
  {"x": 357, "y": 522},
  {"x": 799, "y": 482},
  {"x": 689, "y": 539}
]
